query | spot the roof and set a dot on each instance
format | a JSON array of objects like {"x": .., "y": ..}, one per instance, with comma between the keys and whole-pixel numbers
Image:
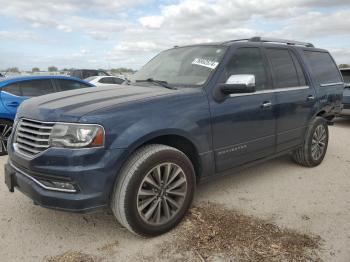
[
  {"x": 259, "y": 39},
  {"x": 8, "y": 80}
]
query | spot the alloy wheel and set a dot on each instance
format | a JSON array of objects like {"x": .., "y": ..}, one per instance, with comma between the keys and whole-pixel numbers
[
  {"x": 318, "y": 143},
  {"x": 161, "y": 193},
  {"x": 5, "y": 132}
]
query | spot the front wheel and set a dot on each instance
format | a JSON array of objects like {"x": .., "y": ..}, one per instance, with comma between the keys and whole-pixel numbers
[
  {"x": 154, "y": 190},
  {"x": 5, "y": 132},
  {"x": 315, "y": 144}
]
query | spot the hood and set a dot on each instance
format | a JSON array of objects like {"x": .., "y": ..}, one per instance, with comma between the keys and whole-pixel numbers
[{"x": 69, "y": 106}]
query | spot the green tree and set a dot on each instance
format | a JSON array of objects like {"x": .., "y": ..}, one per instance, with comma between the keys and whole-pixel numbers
[
  {"x": 13, "y": 70},
  {"x": 344, "y": 66},
  {"x": 35, "y": 70},
  {"x": 52, "y": 69}
]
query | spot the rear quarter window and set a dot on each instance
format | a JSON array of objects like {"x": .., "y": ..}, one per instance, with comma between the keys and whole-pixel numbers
[{"x": 323, "y": 67}]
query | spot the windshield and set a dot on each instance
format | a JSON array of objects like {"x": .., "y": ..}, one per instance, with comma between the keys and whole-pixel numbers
[{"x": 184, "y": 66}]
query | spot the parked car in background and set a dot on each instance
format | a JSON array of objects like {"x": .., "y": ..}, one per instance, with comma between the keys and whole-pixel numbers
[
  {"x": 85, "y": 73},
  {"x": 346, "y": 96},
  {"x": 14, "y": 90},
  {"x": 105, "y": 80},
  {"x": 191, "y": 114}
]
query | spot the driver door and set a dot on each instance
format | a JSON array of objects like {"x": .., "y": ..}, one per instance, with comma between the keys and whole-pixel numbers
[{"x": 244, "y": 124}]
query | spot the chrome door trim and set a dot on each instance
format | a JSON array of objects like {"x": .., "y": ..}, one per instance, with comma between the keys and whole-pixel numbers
[
  {"x": 277, "y": 90},
  {"x": 332, "y": 84}
]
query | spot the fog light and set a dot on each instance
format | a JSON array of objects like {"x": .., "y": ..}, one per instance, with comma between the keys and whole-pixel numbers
[
  {"x": 59, "y": 186},
  {"x": 64, "y": 185}
]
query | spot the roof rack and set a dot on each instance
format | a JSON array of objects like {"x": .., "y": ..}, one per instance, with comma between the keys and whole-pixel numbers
[{"x": 273, "y": 40}]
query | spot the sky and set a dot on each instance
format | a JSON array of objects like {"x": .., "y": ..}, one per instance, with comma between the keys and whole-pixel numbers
[{"x": 127, "y": 33}]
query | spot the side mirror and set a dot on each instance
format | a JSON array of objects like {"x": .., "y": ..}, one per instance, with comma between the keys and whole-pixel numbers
[{"x": 237, "y": 84}]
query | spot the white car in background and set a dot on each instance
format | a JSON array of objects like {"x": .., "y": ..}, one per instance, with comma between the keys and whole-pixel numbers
[{"x": 105, "y": 80}]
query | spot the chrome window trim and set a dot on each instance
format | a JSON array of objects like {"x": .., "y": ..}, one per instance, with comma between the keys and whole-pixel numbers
[
  {"x": 277, "y": 90},
  {"x": 332, "y": 84},
  {"x": 39, "y": 183}
]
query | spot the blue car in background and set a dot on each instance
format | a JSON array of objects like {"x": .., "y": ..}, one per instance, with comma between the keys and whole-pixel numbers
[{"x": 14, "y": 90}]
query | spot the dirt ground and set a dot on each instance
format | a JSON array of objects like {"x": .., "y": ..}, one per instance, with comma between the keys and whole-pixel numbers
[{"x": 284, "y": 196}]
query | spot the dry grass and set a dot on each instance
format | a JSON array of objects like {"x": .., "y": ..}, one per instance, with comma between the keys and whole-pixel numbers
[
  {"x": 211, "y": 230},
  {"x": 72, "y": 256}
]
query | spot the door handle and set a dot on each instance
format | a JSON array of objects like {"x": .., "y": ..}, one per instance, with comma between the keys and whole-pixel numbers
[
  {"x": 12, "y": 104},
  {"x": 266, "y": 105},
  {"x": 310, "y": 98}
]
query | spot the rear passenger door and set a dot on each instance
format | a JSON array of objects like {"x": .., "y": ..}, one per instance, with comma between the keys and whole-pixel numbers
[
  {"x": 243, "y": 125},
  {"x": 295, "y": 98}
]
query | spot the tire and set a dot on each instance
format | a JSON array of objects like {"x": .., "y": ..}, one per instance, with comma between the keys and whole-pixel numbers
[
  {"x": 316, "y": 140},
  {"x": 138, "y": 183},
  {"x": 5, "y": 132}
]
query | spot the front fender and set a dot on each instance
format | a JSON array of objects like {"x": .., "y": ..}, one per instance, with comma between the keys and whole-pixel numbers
[{"x": 150, "y": 128}]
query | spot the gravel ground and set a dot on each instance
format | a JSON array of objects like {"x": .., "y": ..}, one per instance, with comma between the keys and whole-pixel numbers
[{"x": 311, "y": 201}]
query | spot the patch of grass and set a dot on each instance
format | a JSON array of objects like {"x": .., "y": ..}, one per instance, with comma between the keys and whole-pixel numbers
[
  {"x": 212, "y": 230},
  {"x": 72, "y": 256}
]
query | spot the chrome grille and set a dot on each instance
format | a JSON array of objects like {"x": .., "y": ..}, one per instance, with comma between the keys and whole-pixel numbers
[{"x": 32, "y": 137}]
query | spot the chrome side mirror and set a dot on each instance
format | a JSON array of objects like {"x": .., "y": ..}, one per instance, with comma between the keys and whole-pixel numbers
[{"x": 239, "y": 84}]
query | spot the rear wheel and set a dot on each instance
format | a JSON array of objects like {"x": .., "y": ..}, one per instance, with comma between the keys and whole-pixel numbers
[
  {"x": 154, "y": 190},
  {"x": 315, "y": 145},
  {"x": 5, "y": 132}
]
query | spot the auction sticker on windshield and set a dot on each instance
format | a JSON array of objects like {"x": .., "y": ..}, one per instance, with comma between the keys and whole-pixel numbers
[{"x": 205, "y": 62}]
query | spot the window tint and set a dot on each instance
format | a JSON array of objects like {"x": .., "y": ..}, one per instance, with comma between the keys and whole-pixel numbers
[
  {"x": 346, "y": 75},
  {"x": 66, "y": 85},
  {"x": 247, "y": 61},
  {"x": 36, "y": 87},
  {"x": 102, "y": 73},
  {"x": 13, "y": 89},
  {"x": 284, "y": 71},
  {"x": 107, "y": 80},
  {"x": 300, "y": 72},
  {"x": 322, "y": 67},
  {"x": 118, "y": 81}
]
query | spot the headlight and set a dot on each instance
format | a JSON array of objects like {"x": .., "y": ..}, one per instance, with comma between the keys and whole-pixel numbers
[{"x": 76, "y": 135}]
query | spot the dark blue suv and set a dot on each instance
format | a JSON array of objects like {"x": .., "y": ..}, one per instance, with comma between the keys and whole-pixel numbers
[{"x": 191, "y": 114}]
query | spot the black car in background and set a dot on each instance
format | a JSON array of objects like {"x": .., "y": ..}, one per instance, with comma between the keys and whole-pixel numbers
[
  {"x": 346, "y": 95},
  {"x": 85, "y": 73}
]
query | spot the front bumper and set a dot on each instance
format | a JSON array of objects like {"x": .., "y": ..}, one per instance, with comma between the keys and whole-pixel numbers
[{"x": 92, "y": 172}]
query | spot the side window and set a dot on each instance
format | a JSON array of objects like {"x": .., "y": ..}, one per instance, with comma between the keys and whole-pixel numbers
[
  {"x": 284, "y": 72},
  {"x": 247, "y": 61},
  {"x": 66, "y": 85},
  {"x": 118, "y": 81},
  {"x": 300, "y": 72},
  {"x": 322, "y": 67},
  {"x": 101, "y": 73},
  {"x": 36, "y": 87},
  {"x": 346, "y": 75},
  {"x": 13, "y": 89},
  {"x": 107, "y": 80}
]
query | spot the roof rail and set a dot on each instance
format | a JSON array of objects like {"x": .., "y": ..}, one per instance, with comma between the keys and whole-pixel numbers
[
  {"x": 273, "y": 40},
  {"x": 282, "y": 41}
]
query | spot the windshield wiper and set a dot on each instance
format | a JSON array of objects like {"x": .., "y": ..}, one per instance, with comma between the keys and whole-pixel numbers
[{"x": 158, "y": 82}]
